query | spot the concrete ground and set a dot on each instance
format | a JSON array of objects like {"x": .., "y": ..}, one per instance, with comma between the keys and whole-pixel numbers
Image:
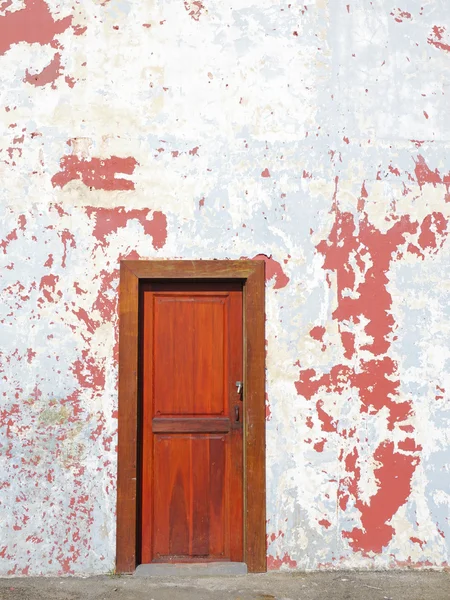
[{"x": 398, "y": 585}]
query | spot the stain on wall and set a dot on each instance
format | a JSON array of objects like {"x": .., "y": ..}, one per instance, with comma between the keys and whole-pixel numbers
[{"x": 312, "y": 136}]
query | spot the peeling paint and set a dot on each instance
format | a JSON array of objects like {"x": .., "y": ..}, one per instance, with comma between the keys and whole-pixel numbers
[
  {"x": 274, "y": 271},
  {"x": 108, "y": 221},
  {"x": 194, "y": 8},
  {"x": 97, "y": 173},
  {"x": 205, "y": 130},
  {"x": 48, "y": 75},
  {"x": 33, "y": 24}
]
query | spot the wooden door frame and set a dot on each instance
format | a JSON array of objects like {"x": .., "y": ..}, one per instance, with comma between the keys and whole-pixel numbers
[{"x": 252, "y": 274}]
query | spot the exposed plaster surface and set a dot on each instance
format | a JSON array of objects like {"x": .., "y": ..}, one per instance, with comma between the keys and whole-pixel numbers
[{"x": 314, "y": 136}]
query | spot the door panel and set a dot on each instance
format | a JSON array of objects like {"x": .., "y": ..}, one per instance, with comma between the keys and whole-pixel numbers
[
  {"x": 191, "y": 451},
  {"x": 190, "y": 499},
  {"x": 189, "y": 338}
]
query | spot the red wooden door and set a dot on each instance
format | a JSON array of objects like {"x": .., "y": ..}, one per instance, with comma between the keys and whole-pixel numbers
[{"x": 191, "y": 454}]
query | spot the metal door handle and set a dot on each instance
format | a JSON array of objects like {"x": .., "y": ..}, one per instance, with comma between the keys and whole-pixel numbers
[
  {"x": 239, "y": 387},
  {"x": 236, "y": 413}
]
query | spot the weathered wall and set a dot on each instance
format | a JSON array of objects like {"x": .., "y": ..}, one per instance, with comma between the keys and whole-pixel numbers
[{"x": 314, "y": 134}]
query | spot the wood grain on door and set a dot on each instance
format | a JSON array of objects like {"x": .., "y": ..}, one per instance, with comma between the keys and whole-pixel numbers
[{"x": 192, "y": 422}]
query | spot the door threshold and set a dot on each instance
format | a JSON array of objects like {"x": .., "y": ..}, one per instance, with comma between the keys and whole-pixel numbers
[{"x": 191, "y": 569}]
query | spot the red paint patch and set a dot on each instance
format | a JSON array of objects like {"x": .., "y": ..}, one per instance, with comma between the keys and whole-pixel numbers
[
  {"x": 416, "y": 540},
  {"x": 79, "y": 30},
  {"x": 325, "y": 523},
  {"x": 70, "y": 81},
  {"x": 89, "y": 374},
  {"x": 59, "y": 209},
  {"x": 424, "y": 174},
  {"x": 9, "y": 238},
  {"x": 361, "y": 258},
  {"x": 48, "y": 75},
  {"x": 33, "y": 24},
  {"x": 106, "y": 301},
  {"x": 409, "y": 445},
  {"x": 97, "y": 173},
  {"x": 350, "y": 483},
  {"x": 319, "y": 446},
  {"x": 394, "y": 170},
  {"x": 82, "y": 315},
  {"x": 265, "y": 173},
  {"x": 362, "y": 197},
  {"x": 412, "y": 249},
  {"x": 394, "y": 479},
  {"x": 401, "y": 15},
  {"x": 378, "y": 385},
  {"x": 433, "y": 232},
  {"x": 436, "y": 37},
  {"x": 348, "y": 342},
  {"x": 274, "y": 269},
  {"x": 109, "y": 220},
  {"x": 336, "y": 381},
  {"x": 306, "y": 386},
  {"x": 48, "y": 286},
  {"x": 344, "y": 243},
  {"x": 317, "y": 333},
  {"x": 275, "y": 563},
  {"x": 273, "y": 537},
  {"x": 328, "y": 424},
  {"x": 194, "y": 8},
  {"x": 78, "y": 290},
  {"x": 49, "y": 262},
  {"x": 67, "y": 238}
]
